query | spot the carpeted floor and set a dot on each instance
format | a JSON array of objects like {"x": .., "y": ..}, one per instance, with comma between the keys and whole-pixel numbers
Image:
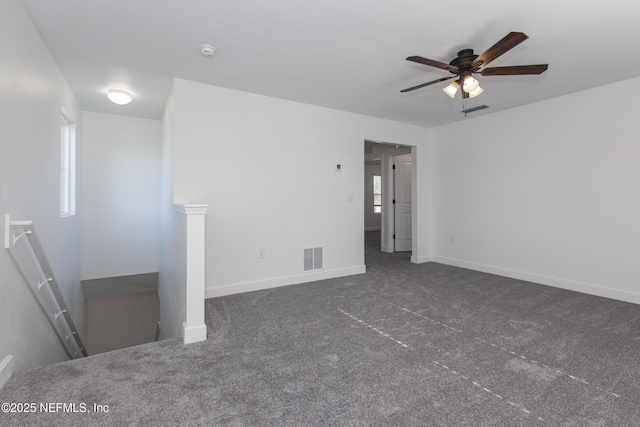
[{"x": 402, "y": 345}]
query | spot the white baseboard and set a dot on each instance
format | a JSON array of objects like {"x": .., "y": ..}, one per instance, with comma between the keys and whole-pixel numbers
[
  {"x": 191, "y": 334},
  {"x": 8, "y": 367},
  {"x": 421, "y": 259},
  {"x": 571, "y": 285},
  {"x": 276, "y": 282}
]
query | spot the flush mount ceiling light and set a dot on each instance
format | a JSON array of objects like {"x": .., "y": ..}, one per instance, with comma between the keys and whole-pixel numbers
[{"x": 119, "y": 97}]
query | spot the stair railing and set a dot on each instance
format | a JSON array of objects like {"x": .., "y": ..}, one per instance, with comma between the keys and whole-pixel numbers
[{"x": 27, "y": 252}]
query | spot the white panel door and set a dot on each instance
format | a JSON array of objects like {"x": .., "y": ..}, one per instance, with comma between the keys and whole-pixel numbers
[{"x": 402, "y": 178}]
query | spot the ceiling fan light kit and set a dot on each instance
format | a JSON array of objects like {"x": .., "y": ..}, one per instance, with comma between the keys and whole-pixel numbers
[
  {"x": 469, "y": 84},
  {"x": 452, "y": 89},
  {"x": 467, "y": 63},
  {"x": 477, "y": 91}
]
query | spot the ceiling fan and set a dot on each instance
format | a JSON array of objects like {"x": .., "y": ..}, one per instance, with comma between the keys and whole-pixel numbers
[{"x": 467, "y": 63}]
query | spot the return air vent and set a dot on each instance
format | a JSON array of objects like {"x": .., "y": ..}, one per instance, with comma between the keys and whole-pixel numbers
[
  {"x": 474, "y": 109},
  {"x": 312, "y": 259}
]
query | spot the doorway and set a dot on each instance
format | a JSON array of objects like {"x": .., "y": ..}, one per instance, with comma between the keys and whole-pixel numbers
[{"x": 388, "y": 225}]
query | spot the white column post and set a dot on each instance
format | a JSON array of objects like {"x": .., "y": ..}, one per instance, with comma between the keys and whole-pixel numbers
[{"x": 194, "y": 329}]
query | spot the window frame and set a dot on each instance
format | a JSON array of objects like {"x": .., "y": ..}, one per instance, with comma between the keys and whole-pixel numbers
[{"x": 377, "y": 207}]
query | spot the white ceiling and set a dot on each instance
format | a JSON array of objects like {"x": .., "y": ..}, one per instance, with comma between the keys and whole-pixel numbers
[{"x": 348, "y": 55}]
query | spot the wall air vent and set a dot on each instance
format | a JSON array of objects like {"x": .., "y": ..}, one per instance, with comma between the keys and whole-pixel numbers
[{"x": 312, "y": 259}]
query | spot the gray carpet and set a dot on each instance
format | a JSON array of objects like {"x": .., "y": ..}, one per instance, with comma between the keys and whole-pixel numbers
[{"x": 403, "y": 344}]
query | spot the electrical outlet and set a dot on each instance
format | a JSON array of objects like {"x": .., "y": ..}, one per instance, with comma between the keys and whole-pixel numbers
[{"x": 261, "y": 253}]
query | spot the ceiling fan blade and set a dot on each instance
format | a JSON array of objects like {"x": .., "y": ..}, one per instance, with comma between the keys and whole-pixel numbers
[
  {"x": 515, "y": 70},
  {"x": 427, "y": 84},
  {"x": 510, "y": 41},
  {"x": 432, "y": 63}
]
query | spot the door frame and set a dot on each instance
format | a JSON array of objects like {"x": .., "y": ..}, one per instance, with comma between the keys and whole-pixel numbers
[{"x": 388, "y": 212}]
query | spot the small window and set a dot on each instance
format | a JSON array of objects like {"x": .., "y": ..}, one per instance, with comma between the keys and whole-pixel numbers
[
  {"x": 67, "y": 166},
  {"x": 377, "y": 194}
]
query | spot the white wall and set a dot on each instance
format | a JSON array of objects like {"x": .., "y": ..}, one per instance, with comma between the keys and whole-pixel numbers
[
  {"x": 547, "y": 192},
  {"x": 121, "y": 195},
  {"x": 266, "y": 168},
  {"x": 171, "y": 287},
  {"x": 32, "y": 93},
  {"x": 372, "y": 220}
]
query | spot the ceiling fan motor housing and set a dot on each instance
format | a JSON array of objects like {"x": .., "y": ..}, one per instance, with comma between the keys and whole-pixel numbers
[{"x": 464, "y": 60}]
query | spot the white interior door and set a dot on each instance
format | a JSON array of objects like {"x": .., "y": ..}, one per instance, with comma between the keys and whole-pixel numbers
[{"x": 402, "y": 206}]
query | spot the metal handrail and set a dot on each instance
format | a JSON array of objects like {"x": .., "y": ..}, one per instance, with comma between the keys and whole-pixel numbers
[{"x": 54, "y": 308}]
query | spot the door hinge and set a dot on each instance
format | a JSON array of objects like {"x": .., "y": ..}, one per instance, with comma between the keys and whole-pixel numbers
[
  {"x": 394, "y": 201},
  {"x": 394, "y": 166},
  {"x": 394, "y": 236}
]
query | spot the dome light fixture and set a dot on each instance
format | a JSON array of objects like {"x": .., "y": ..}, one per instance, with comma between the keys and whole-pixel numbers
[{"x": 119, "y": 97}]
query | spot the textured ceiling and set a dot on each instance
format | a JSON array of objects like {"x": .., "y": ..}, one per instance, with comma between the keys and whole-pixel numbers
[{"x": 347, "y": 55}]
